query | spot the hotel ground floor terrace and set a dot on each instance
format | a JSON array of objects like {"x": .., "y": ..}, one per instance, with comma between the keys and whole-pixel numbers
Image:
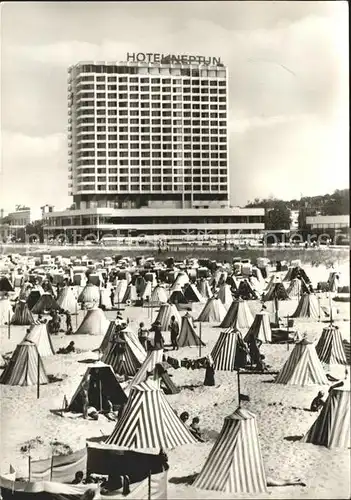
[{"x": 103, "y": 224}]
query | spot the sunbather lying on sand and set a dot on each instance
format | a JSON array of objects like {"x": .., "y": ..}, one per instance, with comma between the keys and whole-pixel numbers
[{"x": 285, "y": 482}]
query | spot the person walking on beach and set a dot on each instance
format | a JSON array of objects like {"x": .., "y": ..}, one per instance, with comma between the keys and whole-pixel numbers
[
  {"x": 174, "y": 329},
  {"x": 210, "y": 373},
  {"x": 143, "y": 335},
  {"x": 68, "y": 323}
]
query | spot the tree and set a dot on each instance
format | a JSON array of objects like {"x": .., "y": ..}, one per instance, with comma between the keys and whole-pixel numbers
[
  {"x": 278, "y": 217},
  {"x": 35, "y": 228}
]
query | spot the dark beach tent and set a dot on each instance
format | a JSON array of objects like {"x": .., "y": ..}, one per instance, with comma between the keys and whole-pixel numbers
[
  {"x": 332, "y": 426},
  {"x": 177, "y": 297},
  {"x": 188, "y": 336},
  {"x": 22, "y": 315},
  {"x": 192, "y": 294},
  {"x": 22, "y": 368},
  {"x": 45, "y": 303},
  {"x": 34, "y": 297},
  {"x": 103, "y": 387},
  {"x": 165, "y": 430},
  {"x": 235, "y": 464},
  {"x": 302, "y": 367},
  {"x": 246, "y": 291},
  {"x": 5, "y": 285}
]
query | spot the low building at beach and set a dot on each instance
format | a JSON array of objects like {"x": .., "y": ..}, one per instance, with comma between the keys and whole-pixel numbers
[
  {"x": 333, "y": 226},
  {"x": 172, "y": 223}
]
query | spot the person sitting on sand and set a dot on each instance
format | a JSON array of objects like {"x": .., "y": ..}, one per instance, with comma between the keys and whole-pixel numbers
[
  {"x": 92, "y": 413},
  {"x": 67, "y": 350},
  {"x": 318, "y": 402},
  {"x": 110, "y": 414},
  {"x": 184, "y": 417},
  {"x": 195, "y": 429},
  {"x": 78, "y": 478}
]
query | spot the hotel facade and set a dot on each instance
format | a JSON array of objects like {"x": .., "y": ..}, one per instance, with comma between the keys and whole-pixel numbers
[{"x": 148, "y": 150}]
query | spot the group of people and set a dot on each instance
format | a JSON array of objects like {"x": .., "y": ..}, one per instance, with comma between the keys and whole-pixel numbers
[
  {"x": 194, "y": 427},
  {"x": 158, "y": 339}
]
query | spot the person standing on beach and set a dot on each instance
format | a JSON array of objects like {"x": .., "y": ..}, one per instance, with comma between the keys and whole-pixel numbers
[
  {"x": 85, "y": 395},
  {"x": 174, "y": 329}
]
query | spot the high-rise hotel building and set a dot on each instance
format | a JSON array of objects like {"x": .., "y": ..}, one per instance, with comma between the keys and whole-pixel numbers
[{"x": 148, "y": 147}]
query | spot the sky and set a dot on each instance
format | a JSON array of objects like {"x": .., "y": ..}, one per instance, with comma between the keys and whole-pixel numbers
[{"x": 288, "y": 87}]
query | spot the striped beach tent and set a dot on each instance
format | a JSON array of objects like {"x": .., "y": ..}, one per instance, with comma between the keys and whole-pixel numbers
[
  {"x": 67, "y": 300},
  {"x": 131, "y": 294},
  {"x": 330, "y": 348},
  {"x": 22, "y": 368},
  {"x": 121, "y": 288},
  {"x": 188, "y": 336},
  {"x": 213, "y": 311},
  {"x": 105, "y": 299},
  {"x": 153, "y": 358},
  {"x": 224, "y": 353},
  {"x": 204, "y": 288},
  {"x": 308, "y": 307},
  {"x": 260, "y": 328},
  {"x": 225, "y": 295},
  {"x": 235, "y": 463},
  {"x": 148, "y": 421},
  {"x": 182, "y": 279},
  {"x": 94, "y": 323},
  {"x": 22, "y": 315},
  {"x": 147, "y": 291},
  {"x": 124, "y": 355},
  {"x": 294, "y": 288},
  {"x": 158, "y": 296},
  {"x": 89, "y": 295},
  {"x": 165, "y": 313},
  {"x": 302, "y": 367},
  {"x": 332, "y": 426},
  {"x": 238, "y": 316},
  {"x": 40, "y": 336},
  {"x": 5, "y": 311},
  {"x": 275, "y": 290},
  {"x": 45, "y": 303},
  {"x": 347, "y": 350}
]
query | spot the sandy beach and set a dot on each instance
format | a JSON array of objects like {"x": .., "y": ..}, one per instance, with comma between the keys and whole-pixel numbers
[{"x": 281, "y": 411}]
